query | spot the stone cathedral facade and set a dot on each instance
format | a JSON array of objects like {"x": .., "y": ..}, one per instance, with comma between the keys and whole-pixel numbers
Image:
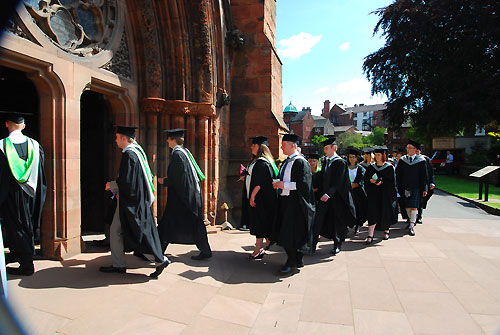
[{"x": 81, "y": 67}]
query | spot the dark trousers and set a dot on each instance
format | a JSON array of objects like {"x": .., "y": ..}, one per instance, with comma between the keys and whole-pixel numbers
[
  {"x": 294, "y": 257},
  {"x": 326, "y": 224}
]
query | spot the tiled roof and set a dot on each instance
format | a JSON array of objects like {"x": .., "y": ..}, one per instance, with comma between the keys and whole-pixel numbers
[
  {"x": 343, "y": 128},
  {"x": 366, "y": 108},
  {"x": 299, "y": 116}
]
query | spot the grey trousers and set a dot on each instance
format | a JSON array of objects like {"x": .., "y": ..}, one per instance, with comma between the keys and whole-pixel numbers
[{"x": 116, "y": 241}]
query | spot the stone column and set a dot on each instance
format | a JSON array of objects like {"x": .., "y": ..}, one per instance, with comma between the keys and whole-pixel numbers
[{"x": 204, "y": 140}]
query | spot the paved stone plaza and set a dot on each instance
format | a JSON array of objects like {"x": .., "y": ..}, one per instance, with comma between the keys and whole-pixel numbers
[{"x": 445, "y": 280}]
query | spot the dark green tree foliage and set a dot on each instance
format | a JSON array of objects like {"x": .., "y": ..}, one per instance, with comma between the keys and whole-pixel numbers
[{"x": 440, "y": 65}]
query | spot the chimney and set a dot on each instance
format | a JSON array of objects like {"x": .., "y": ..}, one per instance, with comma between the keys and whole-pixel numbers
[{"x": 326, "y": 108}]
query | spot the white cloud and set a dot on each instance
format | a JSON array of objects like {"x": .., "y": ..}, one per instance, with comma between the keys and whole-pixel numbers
[
  {"x": 345, "y": 46},
  {"x": 321, "y": 90},
  {"x": 297, "y": 45},
  {"x": 355, "y": 85},
  {"x": 356, "y": 91}
]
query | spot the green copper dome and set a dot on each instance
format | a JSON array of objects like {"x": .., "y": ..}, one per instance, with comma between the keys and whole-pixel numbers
[{"x": 290, "y": 108}]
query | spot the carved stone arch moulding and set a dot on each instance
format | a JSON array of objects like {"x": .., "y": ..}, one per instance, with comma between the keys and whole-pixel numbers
[{"x": 86, "y": 29}]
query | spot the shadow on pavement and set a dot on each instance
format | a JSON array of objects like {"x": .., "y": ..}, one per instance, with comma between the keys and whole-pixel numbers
[{"x": 81, "y": 274}]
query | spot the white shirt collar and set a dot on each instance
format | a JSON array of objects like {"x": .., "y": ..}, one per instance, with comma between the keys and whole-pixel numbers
[
  {"x": 293, "y": 155},
  {"x": 413, "y": 157},
  {"x": 16, "y": 132},
  {"x": 127, "y": 147}
]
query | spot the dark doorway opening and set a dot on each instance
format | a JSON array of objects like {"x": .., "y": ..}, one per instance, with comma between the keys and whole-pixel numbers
[
  {"x": 96, "y": 146},
  {"x": 19, "y": 94}
]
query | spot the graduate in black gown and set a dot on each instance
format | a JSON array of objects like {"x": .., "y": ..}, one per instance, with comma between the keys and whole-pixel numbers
[
  {"x": 336, "y": 210},
  {"x": 260, "y": 195},
  {"x": 368, "y": 157},
  {"x": 356, "y": 177},
  {"x": 380, "y": 185},
  {"x": 182, "y": 221},
  {"x": 296, "y": 206},
  {"x": 22, "y": 194},
  {"x": 313, "y": 160},
  {"x": 412, "y": 182},
  {"x": 431, "y": 186},
  {"x": 133, "y": 227}
]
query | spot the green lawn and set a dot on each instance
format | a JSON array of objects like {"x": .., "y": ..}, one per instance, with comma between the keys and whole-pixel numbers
[{"x": 467, "y": 189}]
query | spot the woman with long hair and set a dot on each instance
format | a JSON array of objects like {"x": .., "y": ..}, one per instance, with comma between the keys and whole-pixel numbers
[
  {"x": 380, "y": 184},
  {"x": 262, "y": 197},
  {"x": 356, "y": 176}
]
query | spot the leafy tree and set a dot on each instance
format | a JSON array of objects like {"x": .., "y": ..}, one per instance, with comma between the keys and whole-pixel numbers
[
  {"x": 348, "y": 139},
  {"x": 376, "y": 138},
  {"x": 440, "y": 65},
  {"x": 317, "y": 139}
]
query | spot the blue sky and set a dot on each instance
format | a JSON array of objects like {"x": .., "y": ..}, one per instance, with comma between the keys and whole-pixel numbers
[{"x": 322, "y": 44}]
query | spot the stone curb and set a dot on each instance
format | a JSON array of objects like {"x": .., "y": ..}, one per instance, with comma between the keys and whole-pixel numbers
[{"x": 486, "y": 208}]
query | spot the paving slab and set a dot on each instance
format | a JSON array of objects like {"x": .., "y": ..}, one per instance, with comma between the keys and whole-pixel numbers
[{"x": 444, "y": 280}]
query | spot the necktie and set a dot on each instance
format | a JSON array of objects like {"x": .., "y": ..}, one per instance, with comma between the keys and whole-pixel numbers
[{"x": 411, "y": 159}]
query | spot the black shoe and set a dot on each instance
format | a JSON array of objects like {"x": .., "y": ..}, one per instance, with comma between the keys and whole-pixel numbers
[
  {"x": 201, "y": 256},
  {"x": 21, "y": 271},
  {"x": 386, "y": 235},
  {"x": 335, "y": 250},
  {"x": 141, "y": 256},
  {"x": 300, "y": 264},
  {"x": 243, "y": 228},
  {"x": 267, "y": 247},
  {"x": 356, "y": 230},
  {"x": 159, "y": 269},
  {"x": 10, "y": 258},
  {"x": 112, "y": 269},
  {"x": 419, "y": 221},
  {"x": 411, "y": 231},
  {"x": 288, "y": 271}
]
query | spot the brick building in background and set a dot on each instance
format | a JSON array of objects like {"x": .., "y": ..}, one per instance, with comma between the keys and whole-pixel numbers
[
  {"x": 82, "y": 67},
  {"x": 306, "y": 125}
]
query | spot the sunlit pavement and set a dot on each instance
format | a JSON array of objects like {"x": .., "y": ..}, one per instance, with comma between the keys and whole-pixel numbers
[{"x": 445, "y": 280}]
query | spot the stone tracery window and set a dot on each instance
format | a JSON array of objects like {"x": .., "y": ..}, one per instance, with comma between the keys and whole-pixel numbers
[{"x": 80, "y": 27}]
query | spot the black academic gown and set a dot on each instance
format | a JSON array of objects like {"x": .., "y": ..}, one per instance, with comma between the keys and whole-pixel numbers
[
  {"x": 182, "y": 221},
  {"x": 317, "y": 185},
  {"x": 296, "y": 211},
  {"x": 136, "y": 215},
  {"x": 430, "y": 177},
  {"x": 411, "y": 175},
  {"x": 339, "y": 212},
  {"x": 359, "y": 196},
  {"x": 21, "y": 213},
  {"x": 262, "y": 217},
  {"x": 382, "y": 199}
]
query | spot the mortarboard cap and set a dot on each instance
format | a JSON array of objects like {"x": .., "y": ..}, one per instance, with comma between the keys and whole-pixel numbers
[
  {"x": 331, "y": 139},
  {"x": 291, "y": 138},
  {"x": 367, "y": 150},
  {"x": 175, "y": 133},
  {"x": 414, "y": 143},
  {"x": 314, "y": 156},
  {"x": 259, "y": 140},
  {"x": 14, "y": 116},
  {"x": 127, "y": 131},
  {"x": 353, "y": 151},
  {"x": 381, "y": 149}
]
